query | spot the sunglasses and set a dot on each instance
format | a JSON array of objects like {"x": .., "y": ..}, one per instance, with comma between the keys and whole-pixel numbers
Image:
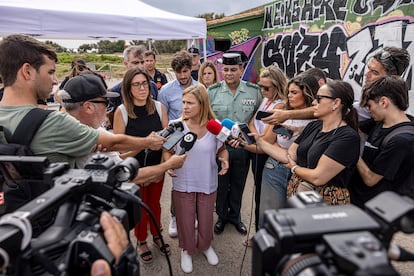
[
  {"x": 319, "y": 97},
  {"x": 109, "y": 107},
  {"x": 264, "y": 87}
]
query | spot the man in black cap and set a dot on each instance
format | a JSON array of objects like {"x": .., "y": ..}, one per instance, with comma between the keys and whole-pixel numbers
[
  {"x": 27, "y": 68},
  {"x": 236, "y": 100},
  {"x": 195, "y": 53}
]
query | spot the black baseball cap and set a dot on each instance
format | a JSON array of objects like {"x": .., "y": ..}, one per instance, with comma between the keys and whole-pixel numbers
[{"x": 86, "y": 87}]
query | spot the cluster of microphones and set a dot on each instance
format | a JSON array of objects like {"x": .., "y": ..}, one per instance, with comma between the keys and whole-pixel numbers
[
  {"x": 228, "y": 130},
  {"x": 174, "y": 134}
]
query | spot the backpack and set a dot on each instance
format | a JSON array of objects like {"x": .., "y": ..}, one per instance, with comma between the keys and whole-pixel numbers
[
  {"x": 15, "y": 192},
  {"x": 397, "y": 131}
]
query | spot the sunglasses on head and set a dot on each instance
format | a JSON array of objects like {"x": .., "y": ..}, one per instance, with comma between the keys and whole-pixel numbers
[{"x": 264, "y": 87}]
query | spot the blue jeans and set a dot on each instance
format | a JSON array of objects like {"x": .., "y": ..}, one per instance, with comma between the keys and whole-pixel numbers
[{"x": 274, "y": 182}]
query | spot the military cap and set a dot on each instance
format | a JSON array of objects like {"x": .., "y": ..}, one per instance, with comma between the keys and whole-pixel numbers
[{"x": 232, "y": 59}]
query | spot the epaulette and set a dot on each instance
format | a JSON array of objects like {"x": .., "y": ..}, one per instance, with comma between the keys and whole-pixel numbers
[
  {"x": 248, "y": 83},
  {"x": 214, "y": 86}
]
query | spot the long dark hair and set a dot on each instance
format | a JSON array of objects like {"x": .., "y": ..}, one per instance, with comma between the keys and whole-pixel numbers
[{"x": 343, "y": 90}]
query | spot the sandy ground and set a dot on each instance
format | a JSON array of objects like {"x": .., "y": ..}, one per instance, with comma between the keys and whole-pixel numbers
[{"x": 235, "y": 259}]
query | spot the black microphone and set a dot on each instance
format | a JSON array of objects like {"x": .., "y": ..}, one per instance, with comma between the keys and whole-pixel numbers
[{"x": 187, "y": 142}]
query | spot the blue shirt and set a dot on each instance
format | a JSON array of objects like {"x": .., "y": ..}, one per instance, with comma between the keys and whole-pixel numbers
[{"x": 171, "y": 96}]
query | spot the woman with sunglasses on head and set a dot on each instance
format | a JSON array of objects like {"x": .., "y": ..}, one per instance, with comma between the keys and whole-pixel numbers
[
  {"x": 140, "y": 115},
  {"x": 324, "y": 156},
  {"x": 301, "y": 91}
]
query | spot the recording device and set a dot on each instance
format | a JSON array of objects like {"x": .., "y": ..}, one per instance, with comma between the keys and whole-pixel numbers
[
  {"x": 244, "y": 130},
  {"x": 262, "y": 114},
  {"x": 173, "y": 133},
  {"x": 222, "y": 133},
  {"x": 75, "y": 238},
  {"x": 316, "y": 239},
  {"x": 284, "y": 131},
  {"x": 187, "y": 142}
]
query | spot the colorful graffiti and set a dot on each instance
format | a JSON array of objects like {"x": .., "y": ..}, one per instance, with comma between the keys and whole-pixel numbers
[{"x": 337, "y": 36}]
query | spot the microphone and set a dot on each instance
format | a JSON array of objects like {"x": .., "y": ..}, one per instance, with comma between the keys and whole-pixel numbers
[
  {"x": 234, "y": 128},
  {"x": 172, "y": 127},
  {"x": 187, "y": 142},
  {"x": 222, "y": 133}
]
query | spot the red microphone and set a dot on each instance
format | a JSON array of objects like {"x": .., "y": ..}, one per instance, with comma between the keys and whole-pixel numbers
[{"x": 217, "y": 129}]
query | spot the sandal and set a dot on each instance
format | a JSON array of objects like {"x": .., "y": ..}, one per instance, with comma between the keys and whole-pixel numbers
[
  {"x": 164, "y": 249},
  {"x": 146, "y": 256}
]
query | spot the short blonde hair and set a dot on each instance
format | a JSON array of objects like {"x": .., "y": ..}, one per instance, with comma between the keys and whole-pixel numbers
[{"x": 200, "y": 93}]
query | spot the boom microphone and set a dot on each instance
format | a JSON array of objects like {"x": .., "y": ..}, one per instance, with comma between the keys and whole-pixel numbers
[
  {"x": 187, "y": 142},
  {"x": 215, "y": 128}
]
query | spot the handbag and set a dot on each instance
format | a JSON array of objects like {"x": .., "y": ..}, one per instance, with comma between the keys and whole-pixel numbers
[{"x": 331, "y": 194}]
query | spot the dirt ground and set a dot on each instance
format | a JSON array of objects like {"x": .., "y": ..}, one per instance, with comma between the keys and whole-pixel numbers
[{"x": 235, "y": 259}]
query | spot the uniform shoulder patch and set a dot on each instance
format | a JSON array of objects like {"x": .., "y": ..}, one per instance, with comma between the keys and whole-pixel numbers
[
  {"x": 214, "y": 86},
  {"x": 250, "y": 84}
]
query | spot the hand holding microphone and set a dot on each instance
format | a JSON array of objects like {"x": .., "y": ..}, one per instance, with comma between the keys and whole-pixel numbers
[{"x": 187, "y": 142}]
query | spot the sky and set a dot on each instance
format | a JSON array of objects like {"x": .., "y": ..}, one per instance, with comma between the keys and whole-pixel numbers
[
  {"x": 189, "y": 8},
  {"x": 196, "y": 7}
]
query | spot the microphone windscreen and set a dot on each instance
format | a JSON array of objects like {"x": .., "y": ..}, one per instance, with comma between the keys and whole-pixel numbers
[
  {"x": 227, "y": 123},
  {"x": 187, "y": 142},
  {"x": 214, "y": 127}
]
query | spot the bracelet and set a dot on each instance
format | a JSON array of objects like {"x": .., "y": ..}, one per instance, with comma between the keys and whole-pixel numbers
[{"x": 292, "y": 170}]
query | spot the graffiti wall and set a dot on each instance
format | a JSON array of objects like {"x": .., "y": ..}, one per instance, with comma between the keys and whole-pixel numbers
[{"x": 337, "y": 36}]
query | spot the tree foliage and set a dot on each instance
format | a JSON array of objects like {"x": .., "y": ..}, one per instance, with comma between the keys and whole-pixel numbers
[{"x": 211, "y": 16}]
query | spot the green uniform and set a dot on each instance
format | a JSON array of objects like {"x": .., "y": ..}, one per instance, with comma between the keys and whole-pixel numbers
[{"x": 239, "y": 107}]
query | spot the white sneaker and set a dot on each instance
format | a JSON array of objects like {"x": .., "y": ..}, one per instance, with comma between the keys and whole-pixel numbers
[
  {"x": 186, "y": 262},
  {"x": 211, "y": 256},
  {"x": 172, "y": 228}
]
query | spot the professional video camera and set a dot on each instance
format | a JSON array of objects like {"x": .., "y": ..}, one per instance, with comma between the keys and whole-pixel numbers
[
  {"x": 331, "y": 240},
  {"x": 74, "y": 240}
]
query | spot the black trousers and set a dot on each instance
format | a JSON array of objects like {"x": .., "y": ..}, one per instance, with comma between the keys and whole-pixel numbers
[
  {"x": 258, "y": 162},
  {"x": 231, "y": 186}
]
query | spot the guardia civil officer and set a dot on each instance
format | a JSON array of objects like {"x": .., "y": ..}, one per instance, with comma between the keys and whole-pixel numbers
[{"x": 238, "y": 101}]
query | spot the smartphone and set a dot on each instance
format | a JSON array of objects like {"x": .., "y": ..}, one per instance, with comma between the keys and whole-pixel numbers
[
  {"x": 262, "y": 114},
  {"x": 281, "y": 130},
  {"x": 244, "y": 129},
  {"x": 173, "y": 139}
]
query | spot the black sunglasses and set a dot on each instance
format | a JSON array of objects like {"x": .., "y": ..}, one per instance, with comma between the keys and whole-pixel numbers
[
  {"x": 264, "y": 87},
  {"x": 319, "y": 97},
  {"x": 108, "y": 105}
]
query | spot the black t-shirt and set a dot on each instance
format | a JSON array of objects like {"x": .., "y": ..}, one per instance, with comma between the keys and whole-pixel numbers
[
  {"x": 341, "y": 145},
  {"x": 394, "y": 161},
  {"x": 142, "y": 127}
]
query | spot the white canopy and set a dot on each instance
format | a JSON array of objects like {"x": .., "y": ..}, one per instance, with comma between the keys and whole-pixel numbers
[{"x": 96, "y": 19}]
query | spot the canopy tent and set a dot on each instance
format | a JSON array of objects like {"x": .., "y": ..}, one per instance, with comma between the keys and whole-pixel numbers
[{"x": 96, "y": 19}]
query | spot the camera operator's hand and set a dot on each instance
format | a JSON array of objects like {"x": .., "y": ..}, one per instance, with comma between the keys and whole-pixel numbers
[
  {"x": 115, "y": 234},
  {"x": 100, "y": 268},
  {"x": 116, "y": 239}
]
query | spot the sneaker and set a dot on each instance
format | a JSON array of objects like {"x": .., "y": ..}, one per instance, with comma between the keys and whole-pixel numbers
[
  {"x": 172, "y": 228},
  {"x": 186, "y": 262},
  {"x": 211, "y": 256}
]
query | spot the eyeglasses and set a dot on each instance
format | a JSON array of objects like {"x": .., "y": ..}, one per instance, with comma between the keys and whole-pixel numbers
[
  {"x": 264, "y": 87},
  {"x": 140, "y": 85},
  {"x": 109, "y": 107},
  {"x": 319, "y": 97}
]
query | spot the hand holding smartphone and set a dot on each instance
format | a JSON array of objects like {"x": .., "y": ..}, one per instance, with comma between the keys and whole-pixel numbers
[
  {"x": 284, "y": 131},
  {"x": 244, "y": 131},
  {"x": 262, "y": 114}
]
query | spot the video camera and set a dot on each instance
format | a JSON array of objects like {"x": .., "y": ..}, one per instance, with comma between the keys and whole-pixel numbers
[
  {"x": 331, "y": 240},
  {"x": 74, "y": 239}
]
